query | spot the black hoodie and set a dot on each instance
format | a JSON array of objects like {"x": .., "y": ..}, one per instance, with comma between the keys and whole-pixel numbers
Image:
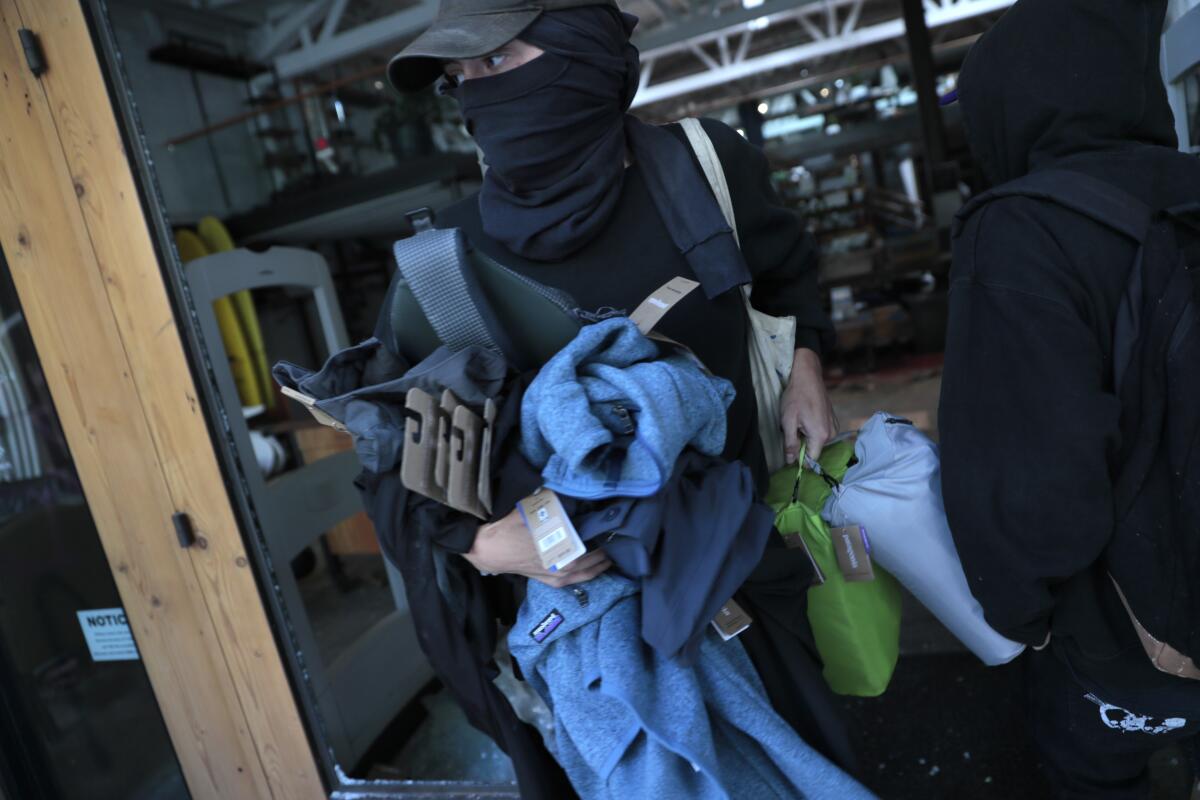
[{"x": 1028, "y": 418}]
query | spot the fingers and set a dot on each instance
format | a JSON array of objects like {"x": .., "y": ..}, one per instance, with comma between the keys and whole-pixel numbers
[
  {"x": 810, "y": 417},
  {"x": 817, "y": 433},
  {"x": 822, "y": 436},
  {"x": 587, "y": 574},
  {"x": 817, "y": 436},
  {"x": 580, "y": 570},
  {"x": 791, "y": 436},
  {"x": 815, "y": 445},
  {"x": 585, "y": 562}
]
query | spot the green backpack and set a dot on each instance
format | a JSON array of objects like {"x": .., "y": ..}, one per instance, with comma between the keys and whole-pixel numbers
[
  {"x": 445, "y": 292},
  {"x": 856, "y": 624}
]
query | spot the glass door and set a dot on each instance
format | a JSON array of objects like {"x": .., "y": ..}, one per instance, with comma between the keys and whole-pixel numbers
[{"x": 78, "y": 719}]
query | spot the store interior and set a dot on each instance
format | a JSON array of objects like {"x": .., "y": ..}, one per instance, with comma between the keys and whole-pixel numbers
[{"x": 286, "y": 166}]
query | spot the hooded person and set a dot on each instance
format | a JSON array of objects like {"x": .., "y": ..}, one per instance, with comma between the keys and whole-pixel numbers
[
  {"x": 581, "y": 196},
  {"x": 1029, "y": 418}
]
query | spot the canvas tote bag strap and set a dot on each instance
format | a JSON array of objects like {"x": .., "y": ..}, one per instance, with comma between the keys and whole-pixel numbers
[
  {"x": 702, "y": 146},
  {"x": 771, "y": 342}
]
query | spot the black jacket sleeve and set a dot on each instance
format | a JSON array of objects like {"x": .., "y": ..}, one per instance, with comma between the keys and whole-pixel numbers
[
  {"x": 1026, "y": 421},
  {"x": 781, "y": 253}
]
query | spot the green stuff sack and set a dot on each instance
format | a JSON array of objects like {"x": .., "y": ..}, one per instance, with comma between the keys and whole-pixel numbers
[{"x": 856, "y": 624}]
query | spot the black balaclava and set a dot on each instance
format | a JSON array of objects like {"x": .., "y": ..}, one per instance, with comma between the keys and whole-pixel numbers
[
  {"x": 1059, "y": 78},
  {"x": 554, "y": 134}
]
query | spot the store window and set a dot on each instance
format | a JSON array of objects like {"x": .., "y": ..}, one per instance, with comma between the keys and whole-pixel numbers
[{"x": 78, "y": 719}]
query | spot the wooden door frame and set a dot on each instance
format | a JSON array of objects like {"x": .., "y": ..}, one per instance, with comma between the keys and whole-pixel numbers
[{"x": 88, "y": 275}]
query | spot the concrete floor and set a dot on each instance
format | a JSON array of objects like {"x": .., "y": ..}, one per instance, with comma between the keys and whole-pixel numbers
[
  {"x": 906, "y": 389},
  {"x": 447, "y": 747},
  {"x": 949, "y": 727}
]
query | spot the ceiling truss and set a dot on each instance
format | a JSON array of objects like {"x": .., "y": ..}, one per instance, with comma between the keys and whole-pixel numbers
[
  {"x": 832, "y": 26},
  {"x": 690, "y": 46}
]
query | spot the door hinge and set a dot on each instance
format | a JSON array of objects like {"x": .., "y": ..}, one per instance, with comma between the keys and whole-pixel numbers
[
  {"x": 183, "y": 529},
  {"x": 35, "y": 57}
]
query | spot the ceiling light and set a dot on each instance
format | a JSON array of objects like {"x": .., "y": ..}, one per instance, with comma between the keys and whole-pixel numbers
[
  {"x": 379, "y": 86},
  {"x": 839, "y": 83},
  {"x": 741, "y": 133},
  {"x": 762, "y": 108},
  {"x": 752, "y": 3},
  {"x": 758, "y": 24},
  {"x": 824, "y": 91}
]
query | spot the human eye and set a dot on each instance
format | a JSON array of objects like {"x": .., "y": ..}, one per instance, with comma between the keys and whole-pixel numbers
[{"x": 496, "y": 60}]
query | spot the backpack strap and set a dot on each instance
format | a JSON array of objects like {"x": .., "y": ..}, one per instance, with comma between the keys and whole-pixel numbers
[
  {"x": 434, "y": 265},
  {"x": 710, "y": 162},
  {"x": 1077, "y": 191},
  {"x": 1101, "y": 202}
]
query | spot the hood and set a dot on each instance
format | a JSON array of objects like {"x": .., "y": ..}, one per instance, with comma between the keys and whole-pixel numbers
[{"x": 1057, "y": 78}]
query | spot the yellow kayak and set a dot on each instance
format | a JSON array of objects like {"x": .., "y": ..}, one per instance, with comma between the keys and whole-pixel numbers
[
  {"x": 190, "y": 248},
  {"x": 217, "y": 239}
]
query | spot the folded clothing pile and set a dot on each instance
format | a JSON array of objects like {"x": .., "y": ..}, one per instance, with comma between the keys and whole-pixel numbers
[
  {"x": 637, "y": 469},
  {"x": 630, "y": 722},
  {"x": 629, "y": 438},
  {"x": 609, "y": 415}
]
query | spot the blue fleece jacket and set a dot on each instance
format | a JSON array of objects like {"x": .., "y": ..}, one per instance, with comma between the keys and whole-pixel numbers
[
  {"x": 608, "y": 417},
  {"x": 632, "y": 724}
]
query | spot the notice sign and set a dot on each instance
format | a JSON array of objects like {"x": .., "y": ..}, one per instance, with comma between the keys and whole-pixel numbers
[{"x": 108, "y": 634}]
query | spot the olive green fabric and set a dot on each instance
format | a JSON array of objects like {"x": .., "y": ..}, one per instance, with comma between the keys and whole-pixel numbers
[{"x": 856, "y": 625}]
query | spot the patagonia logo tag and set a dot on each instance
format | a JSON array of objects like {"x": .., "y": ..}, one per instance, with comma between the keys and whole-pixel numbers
[
  {"x": 849, "y": 551},
  {"x": 547, "y": 626},
  {"x": 853, "y": 551}
]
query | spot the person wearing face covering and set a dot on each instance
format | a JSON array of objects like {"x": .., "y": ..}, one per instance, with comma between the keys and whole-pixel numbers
[
  {"x": 1030, "y": 422},
  {"x": 580, "y": 195}
]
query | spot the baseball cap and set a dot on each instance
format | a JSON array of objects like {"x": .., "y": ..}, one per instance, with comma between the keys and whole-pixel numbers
[{"x": 468, "y": 29}]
